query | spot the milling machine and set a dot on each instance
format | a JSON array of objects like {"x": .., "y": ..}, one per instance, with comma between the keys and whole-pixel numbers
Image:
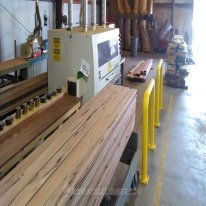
[{"x": 84, "y": 59}]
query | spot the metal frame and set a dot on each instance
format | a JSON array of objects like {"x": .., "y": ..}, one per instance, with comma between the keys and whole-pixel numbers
[
  {"x": 129, "y": 157},
  {"x": 159, "y": 92},
  {"x": 149, "y": 95}
]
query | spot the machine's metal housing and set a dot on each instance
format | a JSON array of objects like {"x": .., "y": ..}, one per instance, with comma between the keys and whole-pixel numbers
[{"x": 75, "y": 47}]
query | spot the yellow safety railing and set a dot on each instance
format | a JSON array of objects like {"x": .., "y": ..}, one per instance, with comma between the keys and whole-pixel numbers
[
  {"x": 161, "y": 84},
  {"x": 159, "y": 92},
  {"x": 148, "y": 100},
  {"x": 153, "y": 98}
]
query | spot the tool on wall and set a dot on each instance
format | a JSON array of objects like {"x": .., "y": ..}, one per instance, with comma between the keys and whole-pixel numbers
[{"x": 34, "y": 41}]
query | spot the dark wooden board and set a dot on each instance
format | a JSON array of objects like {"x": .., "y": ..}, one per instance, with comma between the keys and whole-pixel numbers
[
  {"x": 13, "y": 140},
  {"x": 19, "y": 93},
  {"x": 13, "y": 65}
]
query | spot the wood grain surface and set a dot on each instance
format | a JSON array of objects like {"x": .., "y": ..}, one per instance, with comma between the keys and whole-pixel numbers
[
  {"x": 141, "y": 70},
  {"x": 13, "y": 65},
  {"x": 82, "y": 154},
  {"x": 20, "y": 92},
  {"x": 14, "y": 140}
]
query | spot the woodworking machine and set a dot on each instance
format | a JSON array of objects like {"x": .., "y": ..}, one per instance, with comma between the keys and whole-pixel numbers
[{"x": 84, "y": 59}]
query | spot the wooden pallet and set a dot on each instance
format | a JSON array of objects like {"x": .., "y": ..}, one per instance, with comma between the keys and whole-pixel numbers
[
  {"x": 80, "y": 156},
  {"x": 25, "y": 134},
  {"x": 140, "y": 71}
]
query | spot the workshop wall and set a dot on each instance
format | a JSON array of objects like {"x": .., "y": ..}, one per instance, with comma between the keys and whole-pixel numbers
[
  {"x": 11, "y": 30},
  {"x": 180, "y": 16},
  {"x": 24, "y": 11},
  {"x": 183, "y": 20}
]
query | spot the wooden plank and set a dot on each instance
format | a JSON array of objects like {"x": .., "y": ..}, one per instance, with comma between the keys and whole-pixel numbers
[
  {"x": 13, "y": 65},
  {"x": 85, "y": 178},
  {"x": 91, "y": 181},
  {"x": 30, "y": 113},
  {"x": 32, "y": 145},
  {"x": 54, "y": 198},
  {"x": 71, "y": 150},
  {"x": 6, "y": 88},
  {"x": 17, "y": 103},
  {"x": 140, "y": 71},
  {"x": 110, "y": 168},
  {"x": 15, "y": 139},
  {"x": 54, "y": 141},
  {"x": 64, "y": 161},
  {"x": 24, "y": 148},
  {"x": 22, "y": 92},
  {"x": 23, "y": 88}
]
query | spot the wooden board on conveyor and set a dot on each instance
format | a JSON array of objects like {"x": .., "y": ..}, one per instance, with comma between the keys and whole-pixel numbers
[
  {"x": 22, "y": 92},
  {"x": 78, "y": 159},
  {"x": 25, "y": 133}
]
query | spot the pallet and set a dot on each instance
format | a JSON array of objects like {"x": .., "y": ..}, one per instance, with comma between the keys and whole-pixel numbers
[
  {"x": 25, "y": 134},
  {"x": 140, "y": 72},
  {"x": 81, "y": 155},
  {"x": 175, "y": 81}
]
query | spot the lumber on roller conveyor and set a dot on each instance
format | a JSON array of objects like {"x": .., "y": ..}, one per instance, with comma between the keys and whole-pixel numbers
[{"x": 78, "y": 158}]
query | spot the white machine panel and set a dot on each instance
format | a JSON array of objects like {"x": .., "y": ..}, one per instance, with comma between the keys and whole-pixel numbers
[{"x": 95, "y": 52}]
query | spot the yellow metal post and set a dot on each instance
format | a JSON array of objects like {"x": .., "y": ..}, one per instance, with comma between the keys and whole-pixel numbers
[
  {"x": 157, "y": 88},
  {"x": 151, "y": 144},
  {"x": 150, "y": 89},
  {"x": 161, "y": 84}
]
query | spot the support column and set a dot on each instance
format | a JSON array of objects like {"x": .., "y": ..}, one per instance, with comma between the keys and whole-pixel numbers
[{"x": 59, "y": 13}]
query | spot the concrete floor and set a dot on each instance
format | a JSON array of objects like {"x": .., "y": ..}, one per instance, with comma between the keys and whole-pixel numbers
[{"x": 177, "y": 168}]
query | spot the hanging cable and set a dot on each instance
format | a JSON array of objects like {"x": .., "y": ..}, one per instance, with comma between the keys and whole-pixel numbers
[{"x": 14, "y": 17}]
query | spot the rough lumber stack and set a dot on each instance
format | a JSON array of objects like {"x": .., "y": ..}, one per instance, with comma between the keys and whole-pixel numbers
[
  {"x": 140, "y": 71},
  {"x": 21, "y": 92},
  {"x": 75, "y": 165}
]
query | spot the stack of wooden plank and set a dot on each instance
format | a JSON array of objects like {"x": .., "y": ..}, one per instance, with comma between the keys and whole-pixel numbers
[
  {"x": 140, "y": 71},
  {"x": 19, "y": 139},
  {"x": 21, "y": 92},
  {"x": 75, "y": 165},
  {"x": 13, "y": 65}
]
